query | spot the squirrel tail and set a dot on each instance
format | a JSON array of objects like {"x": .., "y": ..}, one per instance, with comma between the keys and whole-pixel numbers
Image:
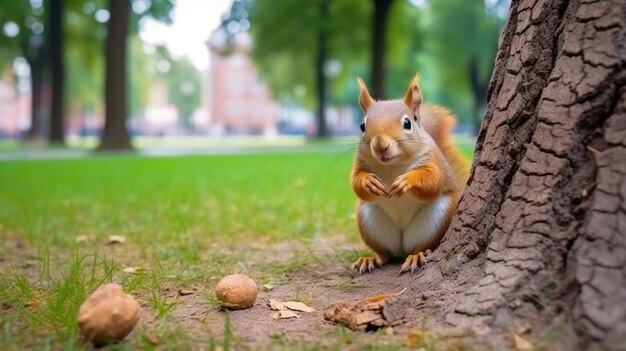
[{"x": 438, "y": 122}]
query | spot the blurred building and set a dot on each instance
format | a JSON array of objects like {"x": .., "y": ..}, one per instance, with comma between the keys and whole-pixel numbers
[
  {"x": 240, "y": 103},
  {"x": 14, "y": 107}
]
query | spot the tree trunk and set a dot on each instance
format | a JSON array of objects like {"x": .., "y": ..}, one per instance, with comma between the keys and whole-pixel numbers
[
  {"x": 540, "y": 232},
  {"x": 379, "y": 46},
  {"x": 115, "y": 135},
  {"x": 57, "y": 50},
  {"x": 320, "y": 61},
  {"x": 35, "y": 132}
]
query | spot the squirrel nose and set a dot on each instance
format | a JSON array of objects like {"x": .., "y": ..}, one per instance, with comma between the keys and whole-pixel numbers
[{"x": 382, "y": 146}]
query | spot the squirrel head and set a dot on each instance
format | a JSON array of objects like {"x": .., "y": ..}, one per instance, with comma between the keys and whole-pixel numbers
[{"x": 392, "y": 132}]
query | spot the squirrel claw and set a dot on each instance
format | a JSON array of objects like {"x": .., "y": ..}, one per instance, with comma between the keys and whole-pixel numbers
[
  {"x": 367, "y": 263},
  {"x": 412, "y": 261}
]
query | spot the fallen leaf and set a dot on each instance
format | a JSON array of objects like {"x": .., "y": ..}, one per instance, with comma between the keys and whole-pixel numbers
[
  {"x": 33, "y": 303},
  {"x": 298, "y": 306},
  {"x": 134, "y": 270},
  {"x": 413, "y": 338},
  {"x": 284, "y": 314},
  {"x": 82, "y": 239},
  {"x": 381, "y": 297},
  {"x": 366, "y": 317},
  {"x": 276, "y": 305},
  {"x": 116, "y": 239},
  {"x": 521, "y": 344},
  {"x": 185, "y": 292}
]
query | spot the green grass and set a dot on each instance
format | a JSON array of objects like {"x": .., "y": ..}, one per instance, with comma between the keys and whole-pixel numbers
[{"x": 187, "y": 220}]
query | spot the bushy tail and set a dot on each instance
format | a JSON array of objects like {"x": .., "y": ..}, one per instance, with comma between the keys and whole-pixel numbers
[{"x": 438, "y": 122}]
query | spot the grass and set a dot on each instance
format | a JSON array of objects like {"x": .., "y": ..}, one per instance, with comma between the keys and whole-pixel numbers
[{"x": 188, "y": 221}]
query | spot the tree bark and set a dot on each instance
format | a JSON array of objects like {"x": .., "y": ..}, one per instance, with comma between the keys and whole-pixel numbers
[
  {"x": 379, "y": 47},
  {"x": 320, "y": 61},
  {"x": 57, "y": 50},
  {"x": 540, "y": 232},
  {"x": 115, "y": 135}
]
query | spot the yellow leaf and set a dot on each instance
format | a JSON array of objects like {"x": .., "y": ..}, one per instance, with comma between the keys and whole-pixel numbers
[
  {"x": 521, "y": 344},
  {"x": 134, "y": 270},
  {"x": 285, "y": 314},
  {"x": 298, "y": 306},
  {"x": 116, "y": 239},
  {"x": 381, "y": 297},
  {"x": 276, "y": 305}
]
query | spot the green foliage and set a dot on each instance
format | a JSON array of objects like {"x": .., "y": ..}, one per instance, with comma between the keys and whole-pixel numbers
[
  {"x": 184, "y": 86},
  {"x": 285, "y": 35}
]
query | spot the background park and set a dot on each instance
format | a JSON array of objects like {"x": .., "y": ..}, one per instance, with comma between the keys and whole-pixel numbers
[{"x": 165, "y": 144}]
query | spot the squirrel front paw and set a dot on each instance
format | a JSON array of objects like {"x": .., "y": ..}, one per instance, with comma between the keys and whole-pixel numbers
[
  {"x": 374, "y": 185},
  {"x": 399, "y": 186}
]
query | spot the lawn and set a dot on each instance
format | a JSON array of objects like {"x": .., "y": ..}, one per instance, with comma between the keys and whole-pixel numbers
[{"x": 187, "y": 220}]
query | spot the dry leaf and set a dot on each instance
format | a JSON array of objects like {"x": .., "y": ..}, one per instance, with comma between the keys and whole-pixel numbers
[
  {"x": 381, "y": 297},
  {"x": 185, "y": 292},
  {"x": 134, "y": 270},
  {"x": 116, "y": 239},
  {"x": 284, "y": 314},
  {"x": 33, "y": 303},
  {"x": 82, "y": 239},
  {"x": 521, "y": 344},
  {"x": 276, "y": 305},
  {"x": 298, "y": 306},
  {"x": 413, "y": 338}
]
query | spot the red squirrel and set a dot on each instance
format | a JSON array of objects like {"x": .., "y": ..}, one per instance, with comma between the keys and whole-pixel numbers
[{"x": 408, "y": 178}]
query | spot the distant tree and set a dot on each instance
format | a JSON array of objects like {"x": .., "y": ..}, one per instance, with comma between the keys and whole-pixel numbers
[
  {"x": 462, "y": 39},
  {"x": 379, "y": 46},
  {"x": 56, "y": 46},
  {"x": 23, "y": 35},
  {"x": 115, "y": 134},
  {"x": 184, "y": 88}
]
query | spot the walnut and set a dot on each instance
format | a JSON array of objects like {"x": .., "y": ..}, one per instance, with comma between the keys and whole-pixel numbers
[
  {"x": 108, "y": 315},
  {"x": 236, "y": 291}
]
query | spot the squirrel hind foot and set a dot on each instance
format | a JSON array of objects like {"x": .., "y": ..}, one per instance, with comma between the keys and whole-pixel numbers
[
  {"x": 412, "y": 262},
  {"x": 367, "y": 264}
]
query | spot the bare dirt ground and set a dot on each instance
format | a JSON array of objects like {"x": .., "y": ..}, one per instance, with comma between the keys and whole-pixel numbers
[{"x": 424, "y": 300}]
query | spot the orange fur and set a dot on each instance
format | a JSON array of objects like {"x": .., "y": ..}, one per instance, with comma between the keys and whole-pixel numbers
[{"x": 438, "y": 168}]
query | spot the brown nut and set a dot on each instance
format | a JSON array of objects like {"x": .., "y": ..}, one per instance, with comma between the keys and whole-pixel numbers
[
  {"x": 108, "y": 315},
  {"x": 236, "y": 291}
]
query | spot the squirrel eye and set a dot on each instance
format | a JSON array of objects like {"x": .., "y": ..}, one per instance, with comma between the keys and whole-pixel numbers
[
  {"x": 406, "y": 123},
  {"x": 362, "y": 126}
]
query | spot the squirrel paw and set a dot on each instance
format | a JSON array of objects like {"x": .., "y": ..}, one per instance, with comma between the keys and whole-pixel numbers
[
  {"x": 412, "y": 261},
  {"x": 399, "y": 186},
  {"x": 367, "y": 263},
  {"x": 374, "y": 185}
]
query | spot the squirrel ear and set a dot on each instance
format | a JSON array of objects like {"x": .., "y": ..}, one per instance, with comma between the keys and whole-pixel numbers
[
  {"x": 413, "y": 98},
  {"x": 365, "y": 100}
]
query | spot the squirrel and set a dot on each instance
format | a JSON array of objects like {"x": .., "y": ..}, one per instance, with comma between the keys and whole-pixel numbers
[{"x": 408, "y": 177}]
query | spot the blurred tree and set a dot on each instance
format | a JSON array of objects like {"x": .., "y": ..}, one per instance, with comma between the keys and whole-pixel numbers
[
  {"x": 57, "y": 66},
  {"x": 463, "y": 54},
  {"x": 379, "y": 46},
  {"x": 183, "y": 88},
  {"x": 22, "y": 29},
  {"x": 299, "y": 45},
  {"x": 115, "y": 134}
]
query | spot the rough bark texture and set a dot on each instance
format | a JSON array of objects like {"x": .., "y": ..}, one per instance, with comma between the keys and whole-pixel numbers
[
  {"x": 115, "y": 135},
  {"x": 540, "y": 230}
]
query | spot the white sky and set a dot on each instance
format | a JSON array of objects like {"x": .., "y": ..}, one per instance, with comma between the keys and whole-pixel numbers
[{"x": 193, "y": 22}]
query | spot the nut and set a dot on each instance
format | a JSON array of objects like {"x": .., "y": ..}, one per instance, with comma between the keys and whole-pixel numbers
[
  {"x": 108, "y": 315},
  {"x": 236, "y": 291}
]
